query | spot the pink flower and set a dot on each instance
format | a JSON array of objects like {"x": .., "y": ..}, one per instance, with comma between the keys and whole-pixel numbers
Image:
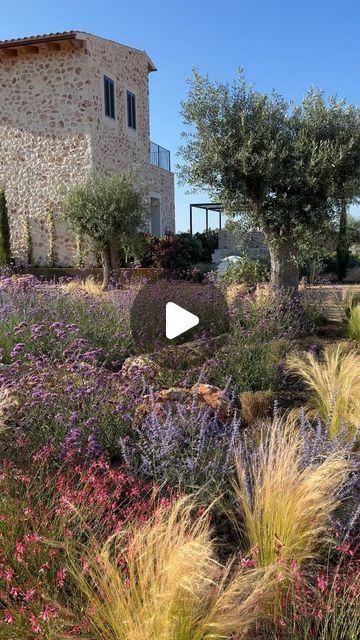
[
  {"x": 36, "y": 628},
  {"x": 60, "y": 577},
  {"x": 19, "y": 551},
  {"x": 48, "y": 613},
  {"x": 8, "y": 617},
  {"x": 321, "y": 583}
]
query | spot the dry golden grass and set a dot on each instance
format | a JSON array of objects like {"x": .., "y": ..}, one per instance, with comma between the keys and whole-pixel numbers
[
  {"x": 255, "y": 405},
  {"x": 171, "y": 586},
  {"x": 286, "y": 507},
  {"x": 233, "y": 291},
  {"x": 89, "y": 285},
  {"x": 334, "y": 385}
]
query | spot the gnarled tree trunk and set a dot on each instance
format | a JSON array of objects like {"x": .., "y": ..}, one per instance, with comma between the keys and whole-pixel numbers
[
  {"x": 114, "y": 254},
  {"x": 342, "y": 249},
  {"x": 284, "y": 267},
  {"x": 106, "y": 265}
]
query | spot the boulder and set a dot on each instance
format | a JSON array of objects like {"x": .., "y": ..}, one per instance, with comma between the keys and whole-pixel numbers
[{"x": 206, "y": 396}]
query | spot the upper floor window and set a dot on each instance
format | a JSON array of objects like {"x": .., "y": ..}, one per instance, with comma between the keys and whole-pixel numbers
[
  {"x": 109, "y": 97},
  {"x": 131, "y": 110}
]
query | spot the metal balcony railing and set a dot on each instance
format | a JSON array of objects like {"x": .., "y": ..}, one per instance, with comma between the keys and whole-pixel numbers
[{"x": 159, "y": 156}]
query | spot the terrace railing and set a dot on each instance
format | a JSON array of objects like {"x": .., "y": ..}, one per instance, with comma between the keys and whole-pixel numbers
[{"x": 159, "y": 156}]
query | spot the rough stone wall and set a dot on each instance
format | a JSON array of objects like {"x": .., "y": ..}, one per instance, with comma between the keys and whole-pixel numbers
[
  {"x": 53, "y": 131},
  {"x": 251, "y": 244},
  {"x": 45, "y": 142},
  {"x": 115, "y": 146}
]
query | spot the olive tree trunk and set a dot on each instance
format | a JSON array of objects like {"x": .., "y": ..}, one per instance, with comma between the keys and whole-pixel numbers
[
  {"x": 342, "y": 249},
  {"x": 106, "y": 265},
  {"x": 284, "y": 266},
  {"x": 114, "y": 254}
]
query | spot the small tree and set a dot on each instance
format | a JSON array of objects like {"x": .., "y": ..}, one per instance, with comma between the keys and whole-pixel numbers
[
  {"x": 107, "y": 210},
  {"x": 5, "y": 256},
  {"x": 280, "y": 167}
]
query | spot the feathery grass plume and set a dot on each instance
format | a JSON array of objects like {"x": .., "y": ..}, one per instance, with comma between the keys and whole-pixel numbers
[
  {"x": 89, "y": 285},
  {"x": 286, "y": 504},
  {"x": 160, "y": 580},
  {"x": 354, "y": 323},
  {"x": 334, "y": 384}
]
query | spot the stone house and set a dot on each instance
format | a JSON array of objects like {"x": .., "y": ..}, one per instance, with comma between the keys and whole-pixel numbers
[{"x": 72, "y": 103}]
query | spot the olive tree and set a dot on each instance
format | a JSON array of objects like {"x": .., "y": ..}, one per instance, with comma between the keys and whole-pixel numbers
[
  {"x": 280, "y": 167},
  {"x": 107, "y": 210}
]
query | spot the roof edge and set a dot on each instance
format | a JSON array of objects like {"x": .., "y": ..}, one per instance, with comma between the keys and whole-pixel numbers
[{"x": 50, "y": 37}]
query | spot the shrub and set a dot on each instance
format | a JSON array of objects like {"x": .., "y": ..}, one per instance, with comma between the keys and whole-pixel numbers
[
  {"x": 286, "y": 501},
  {"x": 261, "y": 329},
  {"x": 173, "y": 252},
  {"x": 334, "y": 385},
  {"x": 185, "y": 446},
  {"x": 247, "y": 271},
  {"x": 210, "y": 242},
  {"x": 184, "y": 595},
  {"x": 354, "y": 323},
  {"x": 4, "y": 231}
]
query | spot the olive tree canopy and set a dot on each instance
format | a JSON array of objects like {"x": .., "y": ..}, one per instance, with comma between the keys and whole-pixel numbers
[
  {"x": 108, "y": 210},
  {"x": 282, "y": 168}
]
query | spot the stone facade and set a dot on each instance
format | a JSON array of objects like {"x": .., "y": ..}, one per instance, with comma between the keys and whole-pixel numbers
[
  {"x": 53, "y": 132},
  {"x": 251, "y": 244}
]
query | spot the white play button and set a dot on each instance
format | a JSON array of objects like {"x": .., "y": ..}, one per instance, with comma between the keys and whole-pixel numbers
[{"x": 178, "y": 320}]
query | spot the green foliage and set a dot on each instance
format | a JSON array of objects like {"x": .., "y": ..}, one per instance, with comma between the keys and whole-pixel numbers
[
  {"x": 210, "y": 242},
  {"x": 354, "y": 323},
  {"x": 4, "y": 231},
  {"x": 105, "y": 208},
  {"x": 316, "y": 250},
  {"x": 109, "y": 211},
  {"x": 178, "y": 251},
  {"x": 247, "y": 271},
  {"x": 172, "y": 251},
  {"x": 343, "y": 247},
  {"x": 28, "y": 241},
  {"x": 283, "y": 167},
  {"x": 51, "y": 238}
]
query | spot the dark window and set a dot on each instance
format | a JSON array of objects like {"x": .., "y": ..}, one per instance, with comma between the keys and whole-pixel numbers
[
  {"x": 131, "y": 110},
  {"x": 109, "y": 97}
]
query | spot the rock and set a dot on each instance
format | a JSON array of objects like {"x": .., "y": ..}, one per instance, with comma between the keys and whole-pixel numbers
[
  {"x": 136, "y": 364},
  {"x": 206, "y": 396},
  {"x": 162, "y": 400},
  {"x": 180, "y": 357},
  {"x": 214, "y": 398}
]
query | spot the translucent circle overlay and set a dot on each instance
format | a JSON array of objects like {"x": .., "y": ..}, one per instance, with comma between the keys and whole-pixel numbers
[{"x": 148, "y": 312}]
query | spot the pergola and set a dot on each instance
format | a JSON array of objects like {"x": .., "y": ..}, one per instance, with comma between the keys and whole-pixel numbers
[{"x": 205, "y": 206}]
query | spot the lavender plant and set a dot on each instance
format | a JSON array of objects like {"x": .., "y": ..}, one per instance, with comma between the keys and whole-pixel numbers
[{"x": 183, "y": 446}]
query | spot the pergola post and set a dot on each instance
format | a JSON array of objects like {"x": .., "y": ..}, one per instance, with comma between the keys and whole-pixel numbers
[{"x": 205, "y": 206}]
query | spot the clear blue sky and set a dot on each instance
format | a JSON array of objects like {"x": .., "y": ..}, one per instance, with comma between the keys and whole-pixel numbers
[{"x": 281, "y": 44}]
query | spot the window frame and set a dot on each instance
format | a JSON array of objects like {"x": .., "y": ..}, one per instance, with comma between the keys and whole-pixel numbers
[
  {"x": 109, "y": 98},
  {"x": 131, "y": 110}
]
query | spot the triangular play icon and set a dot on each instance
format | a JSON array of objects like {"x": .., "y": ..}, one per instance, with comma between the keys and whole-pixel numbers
[{"x": 178, "y": 320}]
